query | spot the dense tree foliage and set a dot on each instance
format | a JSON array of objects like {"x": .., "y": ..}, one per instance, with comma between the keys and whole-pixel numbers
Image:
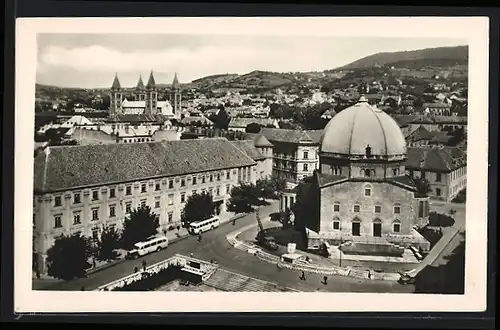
[
  {"x": 253, "y": 128},
  {"x": 243, "y": 198},
  {"x": 68, "y": 257},
  {"x": 423, "y": 186},
  {"x": 108, "y": 243},
  {"x": 198, "y": 207},
  {"x": 138, "y": 226}
]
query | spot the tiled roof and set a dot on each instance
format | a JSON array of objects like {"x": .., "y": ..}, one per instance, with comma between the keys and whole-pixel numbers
[
  {"x": 404, "y": 180},
  {"x": 195, "y": 119},
  {"x": 441, "y": 159},
  {"x": 262, "y": 142},
  {"x": 66, "y": 167},
  {"x": 436, "y": 105},
  {"x": 140, "y": 84},
  {"x": 248, "y": 147},
  {"x": 142, "y": 118},
  {"x": 422, "y": 120},
  {"x": 450, "y": 119},
  {"x": 291, "y": 135},
  {"x": 151, "y": 81},
  {"x": 324, "y": 179},
  {"x": 421, "y": 133},
  {"x": 90, "y": 136},
  {"x": 116, "y": 83},
  {"x": 404, "y": 120},
  {"x": 244, "y": 122}
]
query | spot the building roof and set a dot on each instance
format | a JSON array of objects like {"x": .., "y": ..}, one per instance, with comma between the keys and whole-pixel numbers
[
  {"x": 244, "y": 122},
  {"x": 138, "y": 118},
  {"x": 262, "y": 142},
  {"x": 71, "y": 167},
  {"x": 195, "y": 119},
  {"x": 291, "y": 135},
  {"x": 362, "y": 125},
  {"x": 457, "y": 120},
  {"x": 436, "y": 159},
  {"x": 403, "y": 120},
  {"x": 151, "y": 81},
  {"x": 436, "y": 105},
  {"x": 76, "y": 120},
  {"x": 421, "y": 133},
  {"x": 140, "y": 84},
  {"x": 248, "y": 147},
  {"x": 116, "y": 83},
  {"x": 402, "y": 181},
  {"x": 90, "y": 136},
  {"x": 175, "y": 82}
]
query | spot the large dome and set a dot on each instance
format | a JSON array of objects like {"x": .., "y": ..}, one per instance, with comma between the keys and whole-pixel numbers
[{"x": 362, "y": 125}]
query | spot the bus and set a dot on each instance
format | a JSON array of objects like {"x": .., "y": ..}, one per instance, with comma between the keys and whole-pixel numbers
[
  {"x": 150, "y": 245},
  {"x": 204, "y": 225}
]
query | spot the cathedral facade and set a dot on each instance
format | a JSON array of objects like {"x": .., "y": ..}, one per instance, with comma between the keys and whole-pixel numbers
[
  {"x": 361, "y": 192},
  {"x": 145, "y": 99}
]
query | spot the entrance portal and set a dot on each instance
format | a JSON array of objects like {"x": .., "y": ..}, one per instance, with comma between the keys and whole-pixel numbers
[
  {"x": 218, "y": 207},
  {"x": 355, "y": 229},
  {"x": 377, "y": 229}
]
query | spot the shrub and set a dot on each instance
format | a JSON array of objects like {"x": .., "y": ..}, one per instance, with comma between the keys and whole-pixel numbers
[{"x": 440, "y": 220}]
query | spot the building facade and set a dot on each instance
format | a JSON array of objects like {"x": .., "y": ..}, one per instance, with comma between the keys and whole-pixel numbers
[
  {"x": 445, "y": 168},
  {"x": 360, "y": 193},
  {"x": 261, "y": 151},
  {"x": 82, "y": 189}
]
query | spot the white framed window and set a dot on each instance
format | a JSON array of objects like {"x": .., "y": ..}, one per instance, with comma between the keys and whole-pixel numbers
[
  {"x": 95, "y": 213},
  {"x": 77, "y": 218},
  {"x": 356, "y": 208},
  {"x": 336, "y": 223},
  {"x": 57, "y": 201},
  {"x": 397, "y": 209},
  {"x": 58, "y": 221},
  {"x": 171, "y": 199},
  {"x": 112, "y": 211},
  {"x": 396, "y": 226},
  {"x": 128, "y": 207},
  {"x": 378, "y": 209},
  {"x": 157, "y": 202},
  {"x": 336, "y": 207},
  {"x": 95, "y": 195}
]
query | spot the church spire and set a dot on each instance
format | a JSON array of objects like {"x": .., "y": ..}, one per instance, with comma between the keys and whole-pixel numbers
[
  {"x": 140, "y": 84},
  {"x": 175, "y": 83},
  {"x": 116, "y": 83},
  {"x": 151, "y": 81}
]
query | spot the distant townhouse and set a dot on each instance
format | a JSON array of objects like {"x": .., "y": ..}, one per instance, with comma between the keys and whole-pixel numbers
[
  {"x": 444, "y": 167},
  {"x": 82, "y": 189},
  {"x": 437, "y": 109},
  {"x": 261, "y": 151},
  {"x": 240, "y": 124}
]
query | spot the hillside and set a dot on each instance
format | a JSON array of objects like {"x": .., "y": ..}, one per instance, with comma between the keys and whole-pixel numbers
[{"x": 442, "y": 56}]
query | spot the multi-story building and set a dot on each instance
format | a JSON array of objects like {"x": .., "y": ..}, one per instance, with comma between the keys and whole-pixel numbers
[
  {"x": 295, "y": 153},
  {"x": 261, "y": 151},
  {"x": 82, "y": 189},
  {"x": 360, "y": 195},
  {"x": 445, "y": 168}
]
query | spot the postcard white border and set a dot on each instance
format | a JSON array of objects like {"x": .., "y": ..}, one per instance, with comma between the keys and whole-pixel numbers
[{"x": 473, "y": 29}]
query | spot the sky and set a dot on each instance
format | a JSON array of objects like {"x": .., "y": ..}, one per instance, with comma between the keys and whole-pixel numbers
[{"x": 91, "y": 60}]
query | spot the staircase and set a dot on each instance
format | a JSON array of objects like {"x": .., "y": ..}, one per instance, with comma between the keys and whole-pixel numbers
[{"x": 229, "y": 281}]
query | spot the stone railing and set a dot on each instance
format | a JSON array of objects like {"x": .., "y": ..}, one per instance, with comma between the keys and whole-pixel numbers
[{"x": 179, "y": 260}]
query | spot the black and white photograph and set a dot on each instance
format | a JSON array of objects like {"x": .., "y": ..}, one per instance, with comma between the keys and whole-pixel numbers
[{"x": 240, "y": 159}]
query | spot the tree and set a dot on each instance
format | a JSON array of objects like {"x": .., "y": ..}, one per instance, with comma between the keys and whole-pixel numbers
[
  {"x": 141, "y": 224},
  {"x": 222, "y": 119},
  {"x": 68, "y": 257},
  {"x": 253, "y": 128},
  {"x": 243, "y": 198},
  {"x": 423, "y": 186},
  {"x": 198, "y": 207},
  {"x": 305, "y": 207},
  {"x": 108, "y": 244},
  {"x": 269, "y": 188}
]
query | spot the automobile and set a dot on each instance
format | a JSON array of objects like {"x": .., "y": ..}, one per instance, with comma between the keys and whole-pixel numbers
[{"x": 150, "y": 245}]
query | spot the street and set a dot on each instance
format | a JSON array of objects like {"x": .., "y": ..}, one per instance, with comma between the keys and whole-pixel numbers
[{"x": 215, "y": 246}]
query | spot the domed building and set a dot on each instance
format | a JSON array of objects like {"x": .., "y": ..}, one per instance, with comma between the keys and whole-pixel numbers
[{"x": 361, "y": 192}]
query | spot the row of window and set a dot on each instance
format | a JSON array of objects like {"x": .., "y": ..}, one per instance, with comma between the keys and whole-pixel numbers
[
  {"x": 377, "y": 208},
  {"x": 128, "y": 206},
  {"x": 128, "y": 188},
  {"x": 305, "y": 155}
]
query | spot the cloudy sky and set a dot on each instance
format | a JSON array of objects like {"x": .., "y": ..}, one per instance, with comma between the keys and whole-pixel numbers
[{"x": 91, "y": 60}]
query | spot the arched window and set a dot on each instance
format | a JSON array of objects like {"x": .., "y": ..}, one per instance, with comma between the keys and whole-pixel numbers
[
  {"x": 396, "y": 226},
  {"x": 336, "y": 207},
  {"x": 356, "y": 208},
  {"x": 336, "y": 223},
  {"x": 397, "y": 208},
  {"x": 367, "y": 173}
]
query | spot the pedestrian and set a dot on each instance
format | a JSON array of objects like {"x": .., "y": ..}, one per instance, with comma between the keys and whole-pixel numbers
[
  {"x": 234, "y": 222},
  {"x": 136, "y": 269},
  {"x": 199, "y": 237},
  {"x": 144, "y": 265},
  {"x": 369, "y": 274},
  {"x": 325, "y": 280},
  {"x": 93, "y": 262},
  {"x": 440, "y": 230},
  {"x": 303, "y": 276},
  {"x": 191, "y": 254},
  {"x": 38, "y": 274}
]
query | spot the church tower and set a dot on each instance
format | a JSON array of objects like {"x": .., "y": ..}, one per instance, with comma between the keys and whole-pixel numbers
[
  {"x": 140, "y": 90},
  {"x": 176, "y": 96},
  {"x": 115, "y": 104},
  {"x": 151, "y": 96}
]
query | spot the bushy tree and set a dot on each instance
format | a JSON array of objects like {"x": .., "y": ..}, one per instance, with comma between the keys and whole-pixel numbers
[
  {"x": 68, "y": 257},
  {"x": 423, "y": 186},
  {"x": 108, "y": 244},
  {"x": 270, "y": 187},
  {"x": 141, "y": 224},
  {"x": 222, "y": 119},
  {"x": 198, "y": 207},
  {"x": 253, "y": 128},
  {"x": 305, "y": 207},
  {"x": 243, "y": 198}
]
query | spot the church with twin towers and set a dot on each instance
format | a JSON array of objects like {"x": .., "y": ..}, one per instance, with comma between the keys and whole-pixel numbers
[{"x": 144, "y": 98}]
